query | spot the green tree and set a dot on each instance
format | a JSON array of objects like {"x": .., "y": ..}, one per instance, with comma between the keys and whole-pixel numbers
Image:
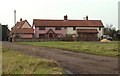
[
  {"x": 5, "y": 32},
  {"x": 111, "y": 31}
]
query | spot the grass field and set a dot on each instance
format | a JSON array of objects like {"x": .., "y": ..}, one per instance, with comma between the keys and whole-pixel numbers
[
  {"x": 97, "y": 48},
  {"x": 18, "y": 63},
  {"x": 0, "y": 58}
]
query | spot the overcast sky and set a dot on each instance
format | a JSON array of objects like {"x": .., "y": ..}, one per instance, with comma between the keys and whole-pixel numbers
[{"x": 105, "y": 10}]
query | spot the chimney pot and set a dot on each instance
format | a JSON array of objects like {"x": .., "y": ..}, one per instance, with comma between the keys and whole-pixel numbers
[
  {"x": 20, "y": 19},
  {"x": 65, "y": 17},
  {"x": 86, "y": 17}
]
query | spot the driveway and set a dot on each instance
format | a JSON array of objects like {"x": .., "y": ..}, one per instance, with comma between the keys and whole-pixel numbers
[{"x": 72, "y": 62}]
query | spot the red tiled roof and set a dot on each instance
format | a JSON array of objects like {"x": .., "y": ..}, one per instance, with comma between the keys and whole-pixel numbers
[
  {"x": 79, "y": 23},
  {"x": 23, "y": 30},
  {"x": 87, "y": 31},
  {"x": 20, "y": 24},
  {"x": 18, "y": 28}
]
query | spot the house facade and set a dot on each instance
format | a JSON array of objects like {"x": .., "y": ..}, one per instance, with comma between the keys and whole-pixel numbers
[
  {"x": 22, "y": 30},
  {"x": 74, "y": 29}
]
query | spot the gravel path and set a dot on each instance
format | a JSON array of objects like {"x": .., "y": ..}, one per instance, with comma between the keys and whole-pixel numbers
[{"x": 76, "y": 63}]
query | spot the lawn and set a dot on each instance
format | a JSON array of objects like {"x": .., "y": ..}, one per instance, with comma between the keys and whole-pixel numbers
[
  {"x": 0, "y": 57},
  {"x": 97, "y": 48},
  {"x": 14, "y": 62}
]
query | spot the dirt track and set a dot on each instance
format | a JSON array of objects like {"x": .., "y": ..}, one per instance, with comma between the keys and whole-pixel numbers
[{"x": 77, "y": 63}]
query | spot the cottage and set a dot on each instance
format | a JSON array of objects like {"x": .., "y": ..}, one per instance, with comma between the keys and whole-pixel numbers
[
  {"x": 76, "y": 29},
  {"x": 22, "y": 30}
]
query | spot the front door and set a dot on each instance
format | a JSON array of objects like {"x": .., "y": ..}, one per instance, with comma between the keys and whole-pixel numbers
[{"x": 50, "y": 35}]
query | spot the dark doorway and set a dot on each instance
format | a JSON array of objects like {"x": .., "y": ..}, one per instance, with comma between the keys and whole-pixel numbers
[{"x": 51, "y": 35}]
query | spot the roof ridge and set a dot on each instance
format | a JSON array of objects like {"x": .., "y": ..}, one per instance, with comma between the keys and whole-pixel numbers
[{"x": 63, "y": 20}]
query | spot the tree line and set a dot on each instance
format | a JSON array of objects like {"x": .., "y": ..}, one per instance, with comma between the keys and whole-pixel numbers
[{"x": 112, "y": 32}]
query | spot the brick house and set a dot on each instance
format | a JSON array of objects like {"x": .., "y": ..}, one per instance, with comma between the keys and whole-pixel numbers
[
  {"x": 22, "y": 30},
  {"x": 75, "y": 29}
]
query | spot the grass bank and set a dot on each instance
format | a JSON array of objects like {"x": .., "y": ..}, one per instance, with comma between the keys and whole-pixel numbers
[
  {"x": 97, "y": 48},
  {"x": 17, "y": 63}
]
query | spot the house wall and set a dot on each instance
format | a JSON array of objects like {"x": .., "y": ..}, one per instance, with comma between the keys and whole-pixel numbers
[
  {"x": 100, "y": 33},
  {"x": 37, "y": 31},
  {"x": 71, "y": 31},
  {"x": 67, "y": 30},
  {"x": 26, "y": 35},
  {"x": 26, "y": 25}
]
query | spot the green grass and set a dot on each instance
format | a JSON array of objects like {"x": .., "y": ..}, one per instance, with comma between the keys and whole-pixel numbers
[
  {"x": 97, "y": 48},
  {"x": 0, "y": 58},
  {"x": 15, "y": 62}
]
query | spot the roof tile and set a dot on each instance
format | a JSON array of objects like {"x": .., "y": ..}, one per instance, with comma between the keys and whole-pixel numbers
[
  {"x": 79, "y": 23},
  {"x": 23, "y": 30}
]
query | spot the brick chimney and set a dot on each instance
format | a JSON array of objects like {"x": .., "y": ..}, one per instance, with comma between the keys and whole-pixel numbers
[
  {"x": 86, "y": 17},
  {"x": 20, "y": 19},
  {"x": 65, "y": 17}
]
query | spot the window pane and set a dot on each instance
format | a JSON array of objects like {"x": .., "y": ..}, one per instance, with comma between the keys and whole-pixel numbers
[
  {"x": 99, "y": 28},
  {"x": 57, "y": 28},
  {"x": 41, "y": 28},
  {"x": 74, "y": 28}
]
